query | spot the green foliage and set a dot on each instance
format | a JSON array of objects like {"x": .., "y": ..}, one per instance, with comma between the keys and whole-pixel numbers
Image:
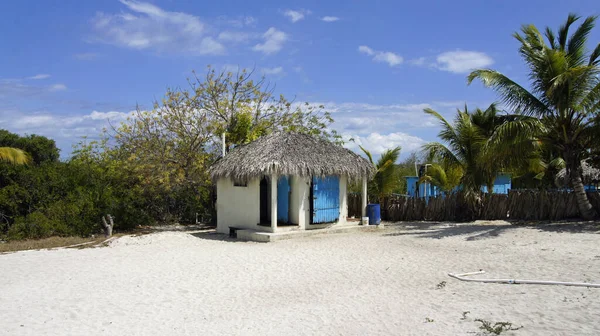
[
  {"x": 406, "y": 168},
  {"x": 41, "y": 149},
  {"x": 463, "y": 155},
  {"x": 149, "y": 169},
  {"x": 386, "y": 179},
  {"x": 245, "y": 108},
  {"x": 564, "y": 99},
  {"x": 446, "y": 178}
]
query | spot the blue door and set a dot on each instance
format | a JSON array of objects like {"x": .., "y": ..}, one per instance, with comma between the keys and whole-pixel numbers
[
  {"x": 326, "y": 199},
  {"x": 283, "y": 199}
]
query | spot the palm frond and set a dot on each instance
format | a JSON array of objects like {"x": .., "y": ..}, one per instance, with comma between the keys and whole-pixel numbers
[
  {"x": 551, "y": 38},
  {"x": 576, "y": 45},
  {"x": 14, "y": 155},
  {"x": 594, "y": 56},
  {"x": 436, "y": 149},
  {"x": 512, "y": 94},
  {"x": 591, "y": 101},
  {"x": 563, "y": 31},
  {"x": 368, "y": 154},
  {"x": 442, "y": 120}
]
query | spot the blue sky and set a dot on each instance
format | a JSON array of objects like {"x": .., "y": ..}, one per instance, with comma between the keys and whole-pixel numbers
[{"x": 68, "y": 66}]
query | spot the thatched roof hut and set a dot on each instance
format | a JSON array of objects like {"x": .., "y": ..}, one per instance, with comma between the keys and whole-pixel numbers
[
  {"x": 589, "y": 174},
  {"x": 290, "y": 154}
]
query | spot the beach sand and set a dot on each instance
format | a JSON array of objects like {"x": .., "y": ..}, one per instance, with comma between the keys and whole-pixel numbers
[{"x": 389, "y": 282}]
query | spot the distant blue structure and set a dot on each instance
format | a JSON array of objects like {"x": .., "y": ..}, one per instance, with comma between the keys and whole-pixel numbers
[{"x": 502, "y": 185}]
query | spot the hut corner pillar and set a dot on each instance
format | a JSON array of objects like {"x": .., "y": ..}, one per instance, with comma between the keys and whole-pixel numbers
[{"x": 274, "y": 178}]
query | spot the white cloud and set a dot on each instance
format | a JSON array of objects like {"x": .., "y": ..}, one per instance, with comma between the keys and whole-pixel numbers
[
  {"x": 417, "y": 61},
  {"x": 39, "y": 76},
  {"x": 57, "y": 87},
  {"x": 235, "y": 36},
  {"x": 462, "y": 61},
  {"x": 392, "y": 59},
  {"x": 240, "y": 21},
  {"x": 66, "y": 129},
  {"x": 377, "y": 143},
  {"x": 15, "y": 89},
  {"x": 366, "y": 50},
  {"x": 86, "y": 56},
  {"x": 389, "y": 58},
  {"x": 147, "y": 26},
  {"x": 330, "y": 18},
  {"x": 272, "y": 71},
  {"x": 296, "y": 15},
  {"x": 273, "y": 41}
]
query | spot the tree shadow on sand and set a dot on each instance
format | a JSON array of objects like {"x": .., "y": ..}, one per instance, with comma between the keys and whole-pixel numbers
[{"x": 485, "y": 230}]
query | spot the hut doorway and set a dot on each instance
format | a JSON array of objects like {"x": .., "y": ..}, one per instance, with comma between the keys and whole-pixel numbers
[
  {"x": 265, "y": 201},
  {"x": 283, "y": 200}
]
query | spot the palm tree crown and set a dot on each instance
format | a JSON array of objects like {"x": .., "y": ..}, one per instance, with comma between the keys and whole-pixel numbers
[{"x": 564, "y": 95}]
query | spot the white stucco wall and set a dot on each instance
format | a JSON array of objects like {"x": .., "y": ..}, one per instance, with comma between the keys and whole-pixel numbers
[
  {"x": 237, "y": 206},
  {"x": 240, "y": 206},
  {"x": 299, "y": 202}
]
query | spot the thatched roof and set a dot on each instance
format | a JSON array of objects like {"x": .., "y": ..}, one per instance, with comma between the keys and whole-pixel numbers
[
  {"x": 589, "y": 174},
  {"x": 290, "y": 154}
]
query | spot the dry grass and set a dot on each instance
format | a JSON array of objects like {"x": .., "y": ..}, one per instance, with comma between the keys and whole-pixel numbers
[
  {"x": 79, "y": 242},
  {"x": 47, "y": 243}
]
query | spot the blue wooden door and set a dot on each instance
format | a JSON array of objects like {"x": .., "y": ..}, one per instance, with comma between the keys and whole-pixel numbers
[
  {"x": 283, "y": 199},
  {"x": 326, "y": 199}
]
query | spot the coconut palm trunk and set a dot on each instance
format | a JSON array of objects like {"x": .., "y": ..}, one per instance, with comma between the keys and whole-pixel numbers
[{"x": 583, "y": 203}]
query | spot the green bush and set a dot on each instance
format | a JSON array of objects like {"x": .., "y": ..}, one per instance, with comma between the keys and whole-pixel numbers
[{"x": 35, "y": 225}]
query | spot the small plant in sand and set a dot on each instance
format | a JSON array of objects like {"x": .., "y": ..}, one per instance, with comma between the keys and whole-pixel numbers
[
  {"x": 464, "y": 314},
  {"x": 497, "y": 328},
  {"x": 441, "y": 285},
  {"x": 429, "y": 320}
]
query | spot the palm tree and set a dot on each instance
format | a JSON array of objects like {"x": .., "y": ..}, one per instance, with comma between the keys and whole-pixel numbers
[
  {"x": 14, "y": 155},
  {"x": 464, "y": 149},
  {"x": 386, "y": 178},
  {"x": 445, "y": 178},
  {"x": 559, "y": 108}
]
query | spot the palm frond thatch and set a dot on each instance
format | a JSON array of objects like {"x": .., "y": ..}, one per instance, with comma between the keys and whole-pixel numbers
[
  {"x": 589, "y": 174},
  {"x": 285, "y": 153}
]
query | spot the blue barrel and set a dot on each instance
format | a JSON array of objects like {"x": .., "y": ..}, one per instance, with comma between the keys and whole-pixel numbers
[{"x": 374, "y": 214}]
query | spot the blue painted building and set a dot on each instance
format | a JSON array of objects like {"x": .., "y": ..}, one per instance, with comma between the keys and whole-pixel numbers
[{"x": 502, "y": 185}]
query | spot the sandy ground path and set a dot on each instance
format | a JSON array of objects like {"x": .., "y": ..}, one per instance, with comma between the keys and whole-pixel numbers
[{"x": 381, "y": 283}]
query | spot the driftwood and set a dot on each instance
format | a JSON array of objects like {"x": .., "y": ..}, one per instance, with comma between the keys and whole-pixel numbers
[
  {"x": 107, "y": 226},
  {"x": 536, "y": 205}
]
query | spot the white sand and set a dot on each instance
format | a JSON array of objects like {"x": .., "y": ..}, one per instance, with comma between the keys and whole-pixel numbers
[{"x": 380, "y": 283}]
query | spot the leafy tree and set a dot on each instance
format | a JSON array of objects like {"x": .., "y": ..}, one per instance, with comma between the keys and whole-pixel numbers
[
  {"x": 564, "y": 96},
  {"x": 39, "y": 148},
  {"x": 386, "y": 179},
  {"x": 246, "y": 109},
  {"x": 406, "y": 168}
]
